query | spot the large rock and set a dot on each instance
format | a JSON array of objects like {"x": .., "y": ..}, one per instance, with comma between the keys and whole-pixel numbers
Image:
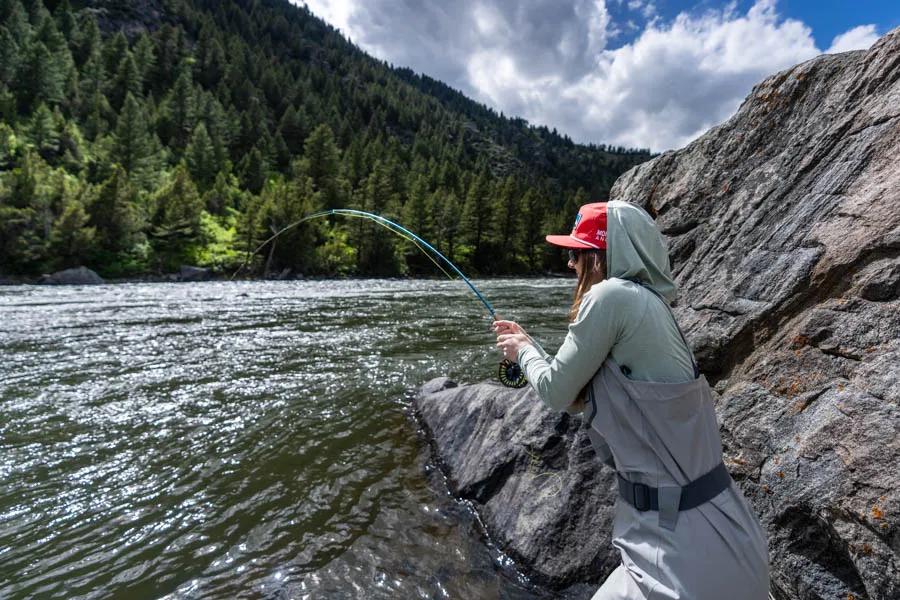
[
  {"x": 76, "y": 276},
  {"x": 531, "y": 474},
  {"x": 189, "y": 273},
  {"x": 784, "y": 229}
]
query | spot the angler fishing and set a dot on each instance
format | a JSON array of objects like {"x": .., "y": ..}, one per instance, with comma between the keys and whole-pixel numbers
[{"x": 509, "y": 372}]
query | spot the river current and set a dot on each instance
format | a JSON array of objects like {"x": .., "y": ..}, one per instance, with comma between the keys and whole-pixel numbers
[{"x": 244, "y": 439}]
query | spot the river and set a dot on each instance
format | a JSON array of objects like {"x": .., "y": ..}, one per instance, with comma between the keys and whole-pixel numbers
[{"x": 253, "y": 439}]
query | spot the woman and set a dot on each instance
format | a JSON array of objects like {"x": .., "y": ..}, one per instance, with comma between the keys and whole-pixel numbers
[{"x": 682, "y": 527}]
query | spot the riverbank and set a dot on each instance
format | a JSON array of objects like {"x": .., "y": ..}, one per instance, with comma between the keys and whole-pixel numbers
[{"x": 193, "y": 274}]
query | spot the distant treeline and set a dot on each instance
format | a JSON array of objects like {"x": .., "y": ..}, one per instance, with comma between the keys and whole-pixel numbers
[{"x": 217, "y": 122}]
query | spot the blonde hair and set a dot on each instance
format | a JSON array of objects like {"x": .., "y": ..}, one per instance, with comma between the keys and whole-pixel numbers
[{"x": 593, "y": 270}]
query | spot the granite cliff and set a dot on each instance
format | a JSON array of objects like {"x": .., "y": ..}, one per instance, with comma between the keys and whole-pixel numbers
[{"x": 783, "y": 225}]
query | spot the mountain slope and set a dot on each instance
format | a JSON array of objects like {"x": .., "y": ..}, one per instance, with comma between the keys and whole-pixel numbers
[{"x": 229, "y": 119}]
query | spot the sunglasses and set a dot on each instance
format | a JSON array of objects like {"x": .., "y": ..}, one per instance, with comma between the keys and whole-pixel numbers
[{"x": 574, "y": 254}]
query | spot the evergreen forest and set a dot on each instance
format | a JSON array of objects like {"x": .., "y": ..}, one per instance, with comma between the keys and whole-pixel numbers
[{"x": 137, "y": 136}]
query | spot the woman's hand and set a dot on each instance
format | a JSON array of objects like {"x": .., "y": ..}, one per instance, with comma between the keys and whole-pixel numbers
[
  {"x": 510, "y": 338},
  {"x": 511, "y": 343},
  {"x": 502, "y": 327}
]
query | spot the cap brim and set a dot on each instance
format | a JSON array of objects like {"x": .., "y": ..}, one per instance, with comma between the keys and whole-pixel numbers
[{"x": 567, "y": 241}]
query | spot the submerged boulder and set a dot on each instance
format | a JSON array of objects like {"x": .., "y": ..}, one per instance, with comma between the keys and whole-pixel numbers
[
  {"x": 783, "y": 225},
  {"x": 76, "y": 276}
]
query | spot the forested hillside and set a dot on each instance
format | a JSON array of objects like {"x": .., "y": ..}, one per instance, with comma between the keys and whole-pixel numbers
[{"x": 136, "y": 136}]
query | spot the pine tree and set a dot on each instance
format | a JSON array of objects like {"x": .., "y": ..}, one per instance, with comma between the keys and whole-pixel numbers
[
  {"x": 323, "y": 160},
  {"x": 49, "y": 35},
  {"x": 253, "y": 171},
  {"x": 72, "y": 146},
  {"x": 282, "y": 152},
  {"x": 531, "y": 239},
  {"x": 72, "y": 239},
  {"x": 66, "y": 21},
  {"x": 9, "y": 147},
  {"x": 224, "y": 195},
  {"x": 293, "y": 130},
  {"x": 285, "y": 203},
  {"x": 478, "y": 219},
  {"x": 115, "y": 216},
  {"x": 44, "y": 134},
  {"x": 171, "y": 52},
  {"x": 40, "y": 78},
  {"x": 448, "y": 216},
  {"x": 175, "y": 225},
  {"x": 9, "y": 57},
  {"x": 16, "y": 21},
  {"x": 134, "y": 147},
  {"x": 200, "y": 156},
  {"x": 379, "y": 254},
  {"x": 144, "y": 58},
  {"x": 37, "y": 12},
  {"x": 127, "y": 81},
  {"x": 88, "y": 43},
  {"x": 211, "y": 61},
  {"x": 417, "y": 217},
  {"x": 25, "y": 215},
  {"x": 179, "y": 111},
  {"x": 113, "y": 50},
  {"x": 507, "y": 214}
]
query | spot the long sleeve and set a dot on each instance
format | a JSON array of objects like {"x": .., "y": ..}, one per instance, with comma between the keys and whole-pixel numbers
[
  {"x": 540, "y": 349},
  {"x": 597, "y": 328}
]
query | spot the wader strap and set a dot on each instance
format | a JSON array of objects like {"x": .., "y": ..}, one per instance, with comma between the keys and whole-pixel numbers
[
  {"x": 680, "y": 332},
  {"x": 601, "y": 448},
  {"x": 704, "y": 488}
]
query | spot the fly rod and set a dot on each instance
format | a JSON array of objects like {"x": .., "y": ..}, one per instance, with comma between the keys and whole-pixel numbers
[{"x": 510, "y": 373}]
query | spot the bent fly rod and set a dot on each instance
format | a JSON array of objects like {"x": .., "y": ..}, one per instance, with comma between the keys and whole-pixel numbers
[{"x": 509, "y": 373}]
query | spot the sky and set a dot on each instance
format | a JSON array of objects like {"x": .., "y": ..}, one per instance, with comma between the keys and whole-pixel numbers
[{"x": 637, "y": 73}]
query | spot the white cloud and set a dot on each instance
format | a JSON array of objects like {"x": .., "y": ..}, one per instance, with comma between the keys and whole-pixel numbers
[
  {"x": 335, "y": 12},
  {"x": 548, "y": 61},
  {"x": 858, "y": 38},
  {"x": 673, "y": 83}
]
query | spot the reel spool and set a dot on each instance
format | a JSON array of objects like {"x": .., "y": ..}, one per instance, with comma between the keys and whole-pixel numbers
[{"x": 511, "y": 374}]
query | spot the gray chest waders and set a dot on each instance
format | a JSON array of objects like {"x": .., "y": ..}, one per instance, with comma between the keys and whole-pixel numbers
[{"x": 668, "y": 500}]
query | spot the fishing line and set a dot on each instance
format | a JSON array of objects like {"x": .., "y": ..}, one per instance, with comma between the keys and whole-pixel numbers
[
  {"x": 535, "y": 471},
  {"x": 509, "y": 372}
]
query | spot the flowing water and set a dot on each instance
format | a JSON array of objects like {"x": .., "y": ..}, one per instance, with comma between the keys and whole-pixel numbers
[{"x": 251, "y": 439}]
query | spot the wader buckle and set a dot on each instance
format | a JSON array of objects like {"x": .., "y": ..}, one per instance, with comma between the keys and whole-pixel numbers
[{"x": 641, "y": 494}]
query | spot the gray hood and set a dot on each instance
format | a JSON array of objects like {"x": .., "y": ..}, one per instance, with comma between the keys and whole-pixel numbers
[{"x": 635, "y": 248}]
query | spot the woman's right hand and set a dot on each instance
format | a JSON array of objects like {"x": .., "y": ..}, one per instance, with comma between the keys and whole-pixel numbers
[{"x": 507, "y": 327}]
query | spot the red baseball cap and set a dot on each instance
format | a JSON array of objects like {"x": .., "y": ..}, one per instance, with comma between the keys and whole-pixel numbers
[{"x": 589, "y": 230}]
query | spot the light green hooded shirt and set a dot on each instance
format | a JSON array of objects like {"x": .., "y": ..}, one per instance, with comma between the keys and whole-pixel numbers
[{"x": 617, "y": 317}]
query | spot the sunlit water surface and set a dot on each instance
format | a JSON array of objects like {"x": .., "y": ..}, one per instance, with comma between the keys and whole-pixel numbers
[{"x": 252, "y": 439}]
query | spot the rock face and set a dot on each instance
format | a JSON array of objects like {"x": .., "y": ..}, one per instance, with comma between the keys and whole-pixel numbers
[
  {"x": 76, "y": 276},
  {"x": 531, "y": 474},
  {"x": 784, "y": 230}
]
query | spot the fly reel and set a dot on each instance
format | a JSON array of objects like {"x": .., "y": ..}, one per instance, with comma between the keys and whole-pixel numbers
[{"x": 511, "y": 374}]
